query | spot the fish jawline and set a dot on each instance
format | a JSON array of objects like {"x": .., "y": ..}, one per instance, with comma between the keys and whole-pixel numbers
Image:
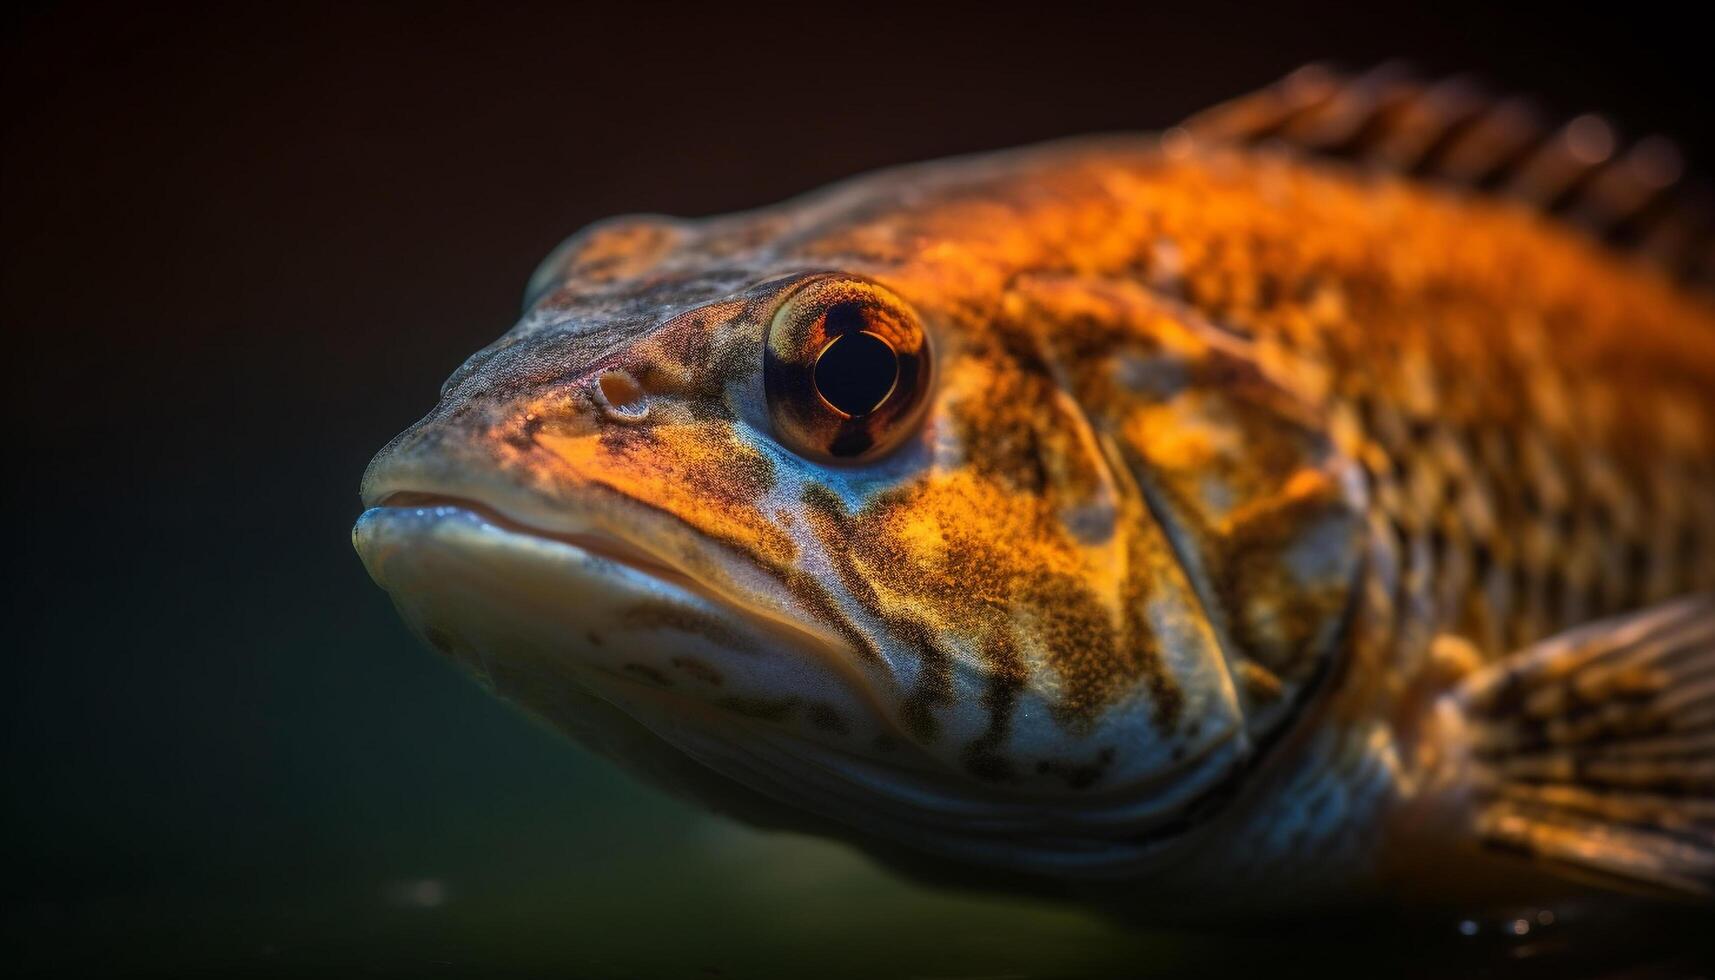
[{"x": 627, "y": 554}]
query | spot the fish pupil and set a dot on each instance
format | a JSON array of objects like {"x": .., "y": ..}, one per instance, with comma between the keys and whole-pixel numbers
[{"x": 856, "y": 372}]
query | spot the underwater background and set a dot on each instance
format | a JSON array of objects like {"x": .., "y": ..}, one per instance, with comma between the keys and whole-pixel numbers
[{"x": 242, "y": 246}]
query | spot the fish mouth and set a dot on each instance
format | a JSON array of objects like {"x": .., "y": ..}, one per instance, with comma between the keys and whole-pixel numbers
[
  {"x": 545, "y": 618},
  {"x": 622, "y": 557},
  {"x": 594, "y": 543}
]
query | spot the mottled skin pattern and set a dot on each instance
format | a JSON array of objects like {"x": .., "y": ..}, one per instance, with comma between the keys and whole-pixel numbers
[{"x": 1205, "y": 427}]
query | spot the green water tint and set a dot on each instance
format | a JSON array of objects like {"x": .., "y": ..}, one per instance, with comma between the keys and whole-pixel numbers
[{"x": 628, "y": 884}]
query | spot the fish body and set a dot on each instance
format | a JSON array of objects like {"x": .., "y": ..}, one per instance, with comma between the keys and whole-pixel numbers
[{"x": 1193, "y": 525}]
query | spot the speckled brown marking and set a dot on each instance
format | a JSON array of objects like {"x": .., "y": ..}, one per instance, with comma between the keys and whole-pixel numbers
[
  {"x": 699, "y": 670},
  {"x": 761, "y": 709},
  {"x": 982, "y": 757},
  {"x": 648, "y": 673},
  {"x": 934, "y": 679},
  {"x": 825, "y": 717},
  {"x": 1078, "y": 775},
  {"x": 976, "y": 581},
  {"x": 1008, "y": 430},
  {"x": 813, "y": 596},
  {"x": 671, "y": 616},
  {"x": 629, "y": 441},
  {"x": 828, "y": 519},
  {"x": 699, "y": 472}
]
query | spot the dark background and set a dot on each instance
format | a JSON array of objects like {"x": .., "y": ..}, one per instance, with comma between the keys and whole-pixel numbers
[{"x": 242, "y": 247}]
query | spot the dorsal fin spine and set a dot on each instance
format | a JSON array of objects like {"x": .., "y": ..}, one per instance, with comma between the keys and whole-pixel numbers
[{"x": 1633, "y": 197}]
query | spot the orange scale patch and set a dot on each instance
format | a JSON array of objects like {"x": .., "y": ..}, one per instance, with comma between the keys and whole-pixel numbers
[
  {"x": 698, "y": 472},
  {"x": 993, "y": 565}
]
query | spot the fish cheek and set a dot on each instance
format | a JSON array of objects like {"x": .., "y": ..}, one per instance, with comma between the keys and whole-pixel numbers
[
  {"x": 1261, "y": 498},
  {"x": 963, "y": 559}
]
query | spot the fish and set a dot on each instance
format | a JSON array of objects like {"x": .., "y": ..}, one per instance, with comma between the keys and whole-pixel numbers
[{"x": 1309, "y": 505}]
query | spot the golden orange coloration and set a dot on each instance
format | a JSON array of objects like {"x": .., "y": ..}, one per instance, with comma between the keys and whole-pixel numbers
[{"x": 1170, "y": 520}]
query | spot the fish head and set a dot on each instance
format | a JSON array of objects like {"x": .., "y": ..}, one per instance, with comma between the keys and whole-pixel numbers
[{"x": 832, "y": 526}]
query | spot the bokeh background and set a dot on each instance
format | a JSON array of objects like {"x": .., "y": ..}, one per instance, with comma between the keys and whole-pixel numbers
[{"x": 242, "y": 246}]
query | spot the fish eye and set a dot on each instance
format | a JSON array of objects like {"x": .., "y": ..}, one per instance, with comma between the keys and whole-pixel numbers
[
  {"x": 845, "y": 370},
  {"x": 856, "y": 372}
]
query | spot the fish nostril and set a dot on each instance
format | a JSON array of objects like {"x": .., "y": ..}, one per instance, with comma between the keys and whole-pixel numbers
[{"x": 621, "y": 396}]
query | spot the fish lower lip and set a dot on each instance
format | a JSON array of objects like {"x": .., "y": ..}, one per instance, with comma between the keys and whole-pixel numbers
[
  {"x": 798, "y": 629},
  {"x": 601, "y": 545}
]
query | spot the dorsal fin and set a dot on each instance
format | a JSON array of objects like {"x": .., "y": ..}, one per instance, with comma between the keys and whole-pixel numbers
[{"x": 1452, "y": 130}]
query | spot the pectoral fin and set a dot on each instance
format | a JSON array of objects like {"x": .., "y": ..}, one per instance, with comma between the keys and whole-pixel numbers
[{"x": 1593, "y": 752}]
